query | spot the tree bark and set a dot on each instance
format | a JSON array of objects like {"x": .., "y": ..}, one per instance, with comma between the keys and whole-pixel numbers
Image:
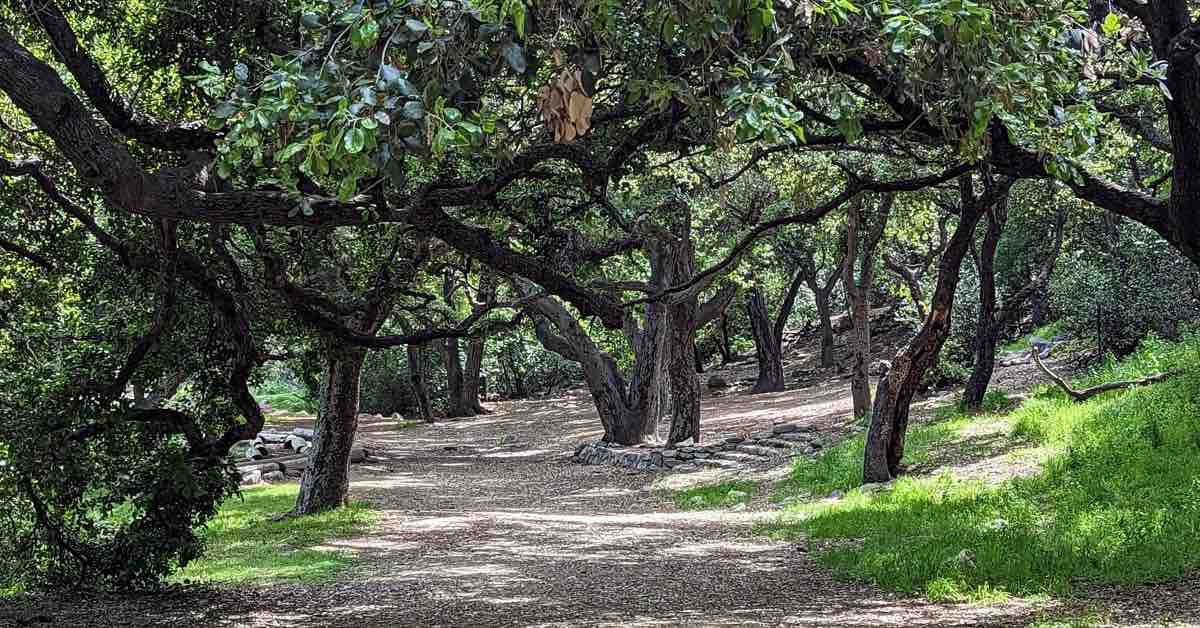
[
  {"x": 858, "y": 291},
  {"x": 326, "y": 480},
  {"x": 894, "y": 394},
  {"x": 471, "y": 376},
  {"x": 986, "y": 328},
  {"x": 455, "y": 400},
  {"x": 416, "y": 377},
  {"x": 625, "y": 408},
  {"x": 766, "y": 345},
  {"x": 723, "y": 341},
  {"x": 825, "y": 314}
]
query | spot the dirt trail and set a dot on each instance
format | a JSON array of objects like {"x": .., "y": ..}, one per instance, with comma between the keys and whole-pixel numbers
[{"x": 485, "y": 522}]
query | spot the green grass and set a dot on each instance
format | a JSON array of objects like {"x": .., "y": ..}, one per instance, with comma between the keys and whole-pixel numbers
[
  {"x": 839, "y": 468},
  {"x": 1118, "y": 501},
  {"x": 715, "y": 496},
  {"x": 244, "y": 544},
  {"x": 1045, "y": 332},
  {"x": 288, "y": 400}
]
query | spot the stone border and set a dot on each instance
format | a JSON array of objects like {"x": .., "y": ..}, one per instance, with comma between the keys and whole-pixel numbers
[{"x": 782, "y": 441}]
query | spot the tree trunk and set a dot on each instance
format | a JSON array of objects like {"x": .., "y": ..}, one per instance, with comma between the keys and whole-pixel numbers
[
  {"x": 858, "y": 307},
  {"x": 889, "y": 419},
  {"x": 626, "y": 410},
  {"x": 455, "y": 406},
  {"x": 824, "y": 312},
  {"x": 723, "y": 341},
  {"x": 766, "y": 346},
  {"x": 986, "y": 328},
  {"x": 416, "y": 376},
  {"x": 471, "y": 376},
  {"x": 326, "y": 480}
]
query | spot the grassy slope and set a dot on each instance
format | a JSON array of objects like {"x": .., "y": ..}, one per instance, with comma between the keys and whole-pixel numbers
[
  {"x": 244, "y": 544},
  {"x": 1118, "y": 501}
]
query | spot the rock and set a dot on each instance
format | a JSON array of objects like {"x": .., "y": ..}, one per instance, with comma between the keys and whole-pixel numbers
[
  {"x": 687, "y": 442},
  {"x": 396, "y": 416},
  {"x": 738, "y": 494},
  {"x": 257, "y": 452},
  {"x": 701, "y": 455},
  {"x": 762, "y": 435},
  {"x": 273, "y": 476},
  {"x": 304, "y": 432},
  {"x": 252, "y": 477},
  {"x": 784, "y": 428},
  {"x": 794, "y": 437},
  {"x": 836, "y": 495},
  {"x": 738, "y": 507},
  {"x": 734, "y": 440},
  {"x": 966, "y": 558},
  {"x": 875, "y": 487},
  {"x": 716, "y": 381},
  {"x": 685, "y": 456},
  {"x": 669, "y": 453},
  {"x": 294, "y": 443}
]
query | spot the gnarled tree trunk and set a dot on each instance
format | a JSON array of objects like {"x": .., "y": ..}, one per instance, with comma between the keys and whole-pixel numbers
[
  {"x": 894, "y": 394},
  {"x": 766, "y": 345},
  {"x": 326, "y": 480},
  {"x": 860, "y": 252},
  {"x": 986, "y": 328},
  {"x": 416, "y": 377},
  {"x": 455, "y": 400}
]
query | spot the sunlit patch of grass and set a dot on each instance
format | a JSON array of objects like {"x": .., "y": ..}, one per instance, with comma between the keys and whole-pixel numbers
[
  {"x": 723, "y": 495},
  {"x": 839, "y": 468},
  {"x": 1118, "y": 501},
  {"x": 246, "y": 543}
]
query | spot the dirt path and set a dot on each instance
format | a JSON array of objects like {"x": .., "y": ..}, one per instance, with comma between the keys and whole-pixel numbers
[{"x": 485, "y": 522}]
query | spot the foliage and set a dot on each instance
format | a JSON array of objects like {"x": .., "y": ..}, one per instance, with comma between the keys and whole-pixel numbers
[
  {"x": 1122, "y": 284},
  {"x": 1115, "y": 503},
  {"x": 246, "y": 542},
  {"x": 723, "y": 495}
]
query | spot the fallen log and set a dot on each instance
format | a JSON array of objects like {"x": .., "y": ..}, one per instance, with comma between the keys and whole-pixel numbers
[{"x": 1088, "y": 393}]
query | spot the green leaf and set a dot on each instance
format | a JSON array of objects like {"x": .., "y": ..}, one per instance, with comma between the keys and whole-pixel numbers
[
  {"x": 354, "y": 140},
  {"x": 225, "y": 110},
  {"x": 347, "y": 188},
  {"x": 290, "y": 151},
  {"x": 241, "y": 72},
  {"x": 1111, "y": 25},
  {"x": 515, "y": 57},
  {"x": 413, "y": 110}
]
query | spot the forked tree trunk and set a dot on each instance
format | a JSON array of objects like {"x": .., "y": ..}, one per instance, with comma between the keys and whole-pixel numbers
[
  {"x": 326, "y": 480},
  {"x": 766, "y": 346},
  {"x": 626, "y": 409},
  {"x": 986, "y": 328},
  {"x": 416, "y": 377},
  {"x": 893, "y": 396}
]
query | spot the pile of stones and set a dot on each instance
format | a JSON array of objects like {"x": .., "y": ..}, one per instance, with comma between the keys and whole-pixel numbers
[{"x": 761, "y": 449}]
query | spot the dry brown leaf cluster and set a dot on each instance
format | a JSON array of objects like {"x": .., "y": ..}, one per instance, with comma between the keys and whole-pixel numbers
[{"x": 565, "y": 107}]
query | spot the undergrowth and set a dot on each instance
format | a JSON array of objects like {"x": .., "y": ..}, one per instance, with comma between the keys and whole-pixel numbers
[{"x": 1117, "y": 501}]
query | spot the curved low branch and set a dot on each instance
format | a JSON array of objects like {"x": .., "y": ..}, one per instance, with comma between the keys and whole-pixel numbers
[{"x": 1088, "y": 393}]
